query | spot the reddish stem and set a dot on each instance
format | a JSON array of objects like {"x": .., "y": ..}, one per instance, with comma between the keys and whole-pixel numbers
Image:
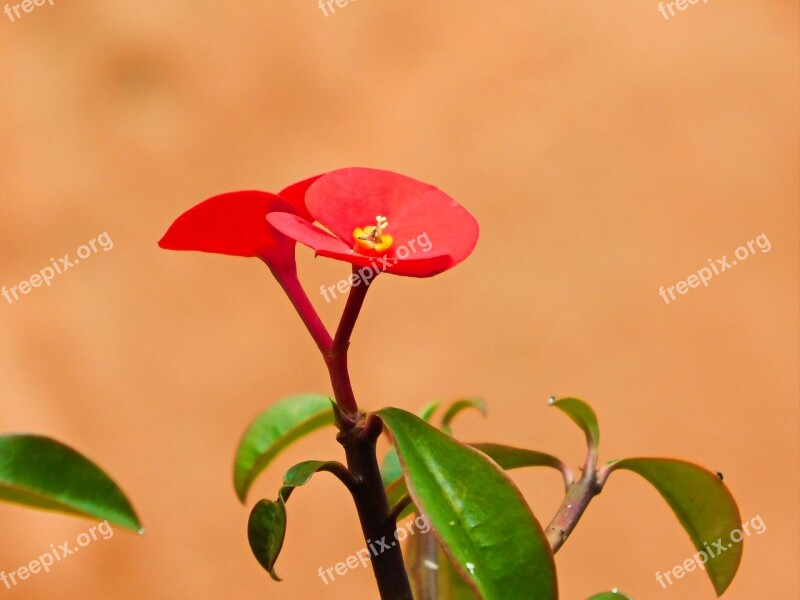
[
  {"x": 287, "y": 278},
  {"x": 336, "y": 355}
]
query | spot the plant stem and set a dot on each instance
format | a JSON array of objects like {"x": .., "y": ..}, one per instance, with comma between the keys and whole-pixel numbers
[
  {"x": 377, "y": 524},
  {"x": 287, "y": 278},
  {"x": 575, "y": 503},
  {"x": 355, "y": 300},
  {"x": 336, "y": 355},
  {"x": 425, "y": 570},
  {"x": 358, "y": 434}
]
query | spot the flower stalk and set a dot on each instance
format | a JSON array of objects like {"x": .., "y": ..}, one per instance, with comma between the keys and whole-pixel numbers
[{"x": 358, "y": 435}]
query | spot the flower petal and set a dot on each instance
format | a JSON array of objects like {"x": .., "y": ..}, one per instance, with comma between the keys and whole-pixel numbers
[
  {"x": 304, "y": 232},
  {"x": 324, "y": 244},
  {"x": 295, "y": 195},
  {"x": 348, "y": 198},
  {"x": 233, "y": 224}
]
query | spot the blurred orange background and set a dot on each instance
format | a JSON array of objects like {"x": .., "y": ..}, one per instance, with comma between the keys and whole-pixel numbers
[{"x": 605, "y": 150}]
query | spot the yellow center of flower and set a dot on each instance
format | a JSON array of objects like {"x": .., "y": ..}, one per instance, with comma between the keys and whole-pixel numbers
[{"x": 372, "y": 239}]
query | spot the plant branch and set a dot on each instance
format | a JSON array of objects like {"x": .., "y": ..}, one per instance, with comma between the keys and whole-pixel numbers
[
  {"x": 377, "y": 524},
  {"x": 341, "y": 473},
  {"x": 575, "y": 503}
]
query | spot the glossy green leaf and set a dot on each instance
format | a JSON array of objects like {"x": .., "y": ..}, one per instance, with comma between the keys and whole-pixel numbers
[
  {"x": 390, "y": 468},
  {"x": 507, "y": 457},
  {"x": 478, "y": 514},
  {"x": 459, "y": 407},
  {"x": 266, "y": 528},
  {"x": 583, "y": 415},
  {"x": 704, "y": 507},
  {"x": 42, "y": 473},
  {"x": 275, "y": 429},
  {"x": 612, "y": 595}
]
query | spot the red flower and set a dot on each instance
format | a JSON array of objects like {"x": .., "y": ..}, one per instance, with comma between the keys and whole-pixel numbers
[{"x": 379, "y": 218}]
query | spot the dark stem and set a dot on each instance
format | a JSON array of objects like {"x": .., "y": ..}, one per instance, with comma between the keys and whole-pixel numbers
[
  {"x": 377, "y": 523},
  {"x": 341, "y": 473}
]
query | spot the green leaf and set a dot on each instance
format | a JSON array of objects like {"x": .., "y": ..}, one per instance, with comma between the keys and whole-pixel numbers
[
  {"x": 507, "y": 457},
  {"x": 42, "y": 473},
  {"x": 704, "y": 507},
  {"x": 274, "y": 430},
  {"x": 612, "y": 595},
  {"x": 461, "y": 406},
  {"x": 390, "y": 468},
  {"x": 584, "y": 417},
  {"x": 478, "y": 514},
  {"x": 266, "y": 528},
  {"x": 301, "y": 474},
  {"x": 427, "y": 412}
]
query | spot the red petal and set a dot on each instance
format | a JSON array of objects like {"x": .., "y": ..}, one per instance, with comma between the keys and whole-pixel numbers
[
  {"x": 304, "y": 232},
  {"x": 324, "y": 244},
  {"x": 233, "y": 224},
  {"x": 295, "y": 194},
  {"x": 348, "y": 198}
]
